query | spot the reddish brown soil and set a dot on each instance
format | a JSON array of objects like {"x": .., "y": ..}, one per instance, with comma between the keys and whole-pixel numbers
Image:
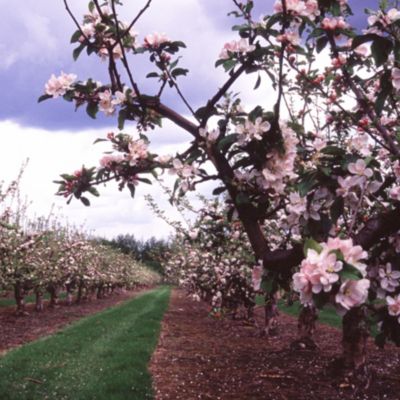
[
  {"x": 199, "y": 357},
  {"x": 18, "y": 330}
]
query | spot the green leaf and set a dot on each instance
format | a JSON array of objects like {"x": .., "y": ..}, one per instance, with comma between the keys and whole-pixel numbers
[
  {"x": 100, "y": 140},
  {"x": 92, "y": 109},
  {"x": 219, "y": 190},
  {"x": 229, "y": 64},
  {"x": 121, "y": 119},
  {"x": 76, "y": 36},
  {"x": 311, "y": 244},
  {"x": 380, "y": 50},
  {"x": 85, "y": 201},
  {"x": 359, "y": 40},
  {"x": 321, "y": 43},
  {"x": 227, "y": 141},
  {"x": 76, "y": 53},
  {"x": 44, "y": 97},
  {"x": 179, "y": 71},
  {"x": 258, "y": 82},
  {"x": 132, "y": 189},
  {"x": 152, "y": 75},
  {"x": 350, "y": 272},
  {"x": 145, "y": 180},
  {"x": 307, "y": 183}
]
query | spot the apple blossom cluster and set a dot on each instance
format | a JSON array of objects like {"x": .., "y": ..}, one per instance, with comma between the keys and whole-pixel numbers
[
  {"x": 280, "y": 167},
  {"x": 299, "y": 8},
  {"x": 98, "y": 33},
  {"x": 58, "y": 86},
  {"x": 237, "y": 48},
  {"x": 324, "y": 267}
]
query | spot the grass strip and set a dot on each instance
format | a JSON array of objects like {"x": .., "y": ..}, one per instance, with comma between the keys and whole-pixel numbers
[{"x": 103, "y": 356}]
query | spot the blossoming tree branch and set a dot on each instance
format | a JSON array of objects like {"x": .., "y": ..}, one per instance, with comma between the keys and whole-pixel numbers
[{"x": 320, "y": 169}]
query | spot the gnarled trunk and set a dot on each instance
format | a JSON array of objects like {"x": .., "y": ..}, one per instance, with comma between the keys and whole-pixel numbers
[
  {"x": 354, "y": 340},
  {"x": 306, "y": 327},
  {"x": 306, "y": 321},
  {"x": 79, "y": 296},
  {"x": 19, "y": 294},
  {"x": 39, "y": 300},
  {"x": 53, "y": 290},
  {"x": 271, "y": 313},
  {"x": 100, "y": 292}
]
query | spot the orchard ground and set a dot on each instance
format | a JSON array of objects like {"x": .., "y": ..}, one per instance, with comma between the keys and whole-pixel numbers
[{"x": 197, "y": 357}]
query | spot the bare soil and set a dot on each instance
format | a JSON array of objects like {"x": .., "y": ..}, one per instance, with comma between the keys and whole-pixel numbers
[
  {"x": 18, "y": 330},
  {"x": 200, "y": 357}
]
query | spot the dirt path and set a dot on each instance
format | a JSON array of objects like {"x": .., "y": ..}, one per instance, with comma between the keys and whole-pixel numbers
[
  {"x": 199, "y": 357},
  {"x": 17, "y": 330}
]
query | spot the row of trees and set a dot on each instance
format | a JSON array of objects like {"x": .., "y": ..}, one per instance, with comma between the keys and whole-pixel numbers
[
  {"x": 42, "y": 256},
  {"x": 150, "y": 252},
  {"x": 314, "y": 180}
]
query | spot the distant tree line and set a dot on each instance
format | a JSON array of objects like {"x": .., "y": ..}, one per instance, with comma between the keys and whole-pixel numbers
[{"x": 151, "y": 252}]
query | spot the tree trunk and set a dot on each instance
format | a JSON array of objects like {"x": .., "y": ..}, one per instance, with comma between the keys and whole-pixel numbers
[
  {"x": 53, "y": 297},
  {"x": 354, "y": 341},
  {"x": 100, "y": 292},
  {"x": 69, "y": 298},
  {"x": 271, "y": 313},
  {"x": 79, "y": 296},
  {"x": 306, "y": 321},
  {"x": 39, "y": 300},
  {"x": 306, "y": 327},
  {"x": 19, "y": 295}
]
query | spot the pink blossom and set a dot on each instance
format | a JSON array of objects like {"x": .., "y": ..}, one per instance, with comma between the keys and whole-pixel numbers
[
  {"x": 393, "y": 15},
  {"x": 394, "y": 306},
  {"x": 241, "y": 47},
  {"x": 137, "y": 151},
  {"x": 302, "y": 8},
  {"x": 394, "y": 193},
  {"x": 351, "y": 254},
  {"x": 58, "y": 86},
  {"x": 291, "y": 37},
  {"x": 360, "y": 168},
  {"x": 110, "y": 159},
  {"x": 334, "y": 23},
  {"x": 389, "y": 280},
  {"x": 105, "y": 102},
  {"x": 396, "y": 78},
  {"x": 353, "y": 293},
  {"x": 155, "y": 40}
]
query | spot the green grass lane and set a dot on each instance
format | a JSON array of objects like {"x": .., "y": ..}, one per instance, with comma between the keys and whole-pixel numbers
[{"x": 104, "y": 356}]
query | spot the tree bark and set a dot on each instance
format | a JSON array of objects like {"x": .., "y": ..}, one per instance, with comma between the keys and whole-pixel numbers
[
  {"x": 271, "y": 313},
  {"x": 306, "y": 321},
  {"x": 19, "y": 295},
  {"x": 79, "y": 296},
  {"x": 53, "y": 290},
  {"x": 354, "y": 340},
  {"x": 39, "y": 300}
]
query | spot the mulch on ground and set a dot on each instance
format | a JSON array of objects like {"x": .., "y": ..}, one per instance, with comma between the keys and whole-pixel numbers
[
  {"x": 18, "y": 330},
  {"x": 200, "y": 357}
]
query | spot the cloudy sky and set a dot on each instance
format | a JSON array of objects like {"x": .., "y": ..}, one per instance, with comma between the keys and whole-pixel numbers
[{"x": 34, "y": 44}]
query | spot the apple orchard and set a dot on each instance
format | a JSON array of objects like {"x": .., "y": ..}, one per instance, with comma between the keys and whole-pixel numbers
[{"x": 307, "y": 192}]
